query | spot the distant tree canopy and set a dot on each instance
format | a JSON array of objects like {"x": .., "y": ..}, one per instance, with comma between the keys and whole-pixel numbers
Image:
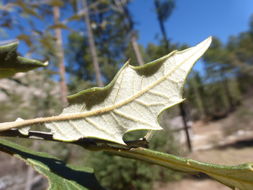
[
  {"x": 87, "y": 41},
  {"x": 227, "y": 67}
]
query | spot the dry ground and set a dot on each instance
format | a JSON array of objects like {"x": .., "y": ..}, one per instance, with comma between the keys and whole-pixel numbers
[
  {"x": 229, "y": 155},
  {"x": 228, "y": 141}
]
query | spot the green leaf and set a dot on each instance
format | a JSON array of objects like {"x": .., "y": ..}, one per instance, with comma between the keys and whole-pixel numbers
[
  {"x": 11, "y": 63},
  {"x": 132, "y": 101},
  {"x": 58, "y": 26},
  {"x": 59, "y": 175},
  {"x": 240, "y": 176},
  {"x": 26, "y": 9}
]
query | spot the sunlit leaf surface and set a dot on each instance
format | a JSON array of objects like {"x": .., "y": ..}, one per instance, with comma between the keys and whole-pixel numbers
[
  {"x": 132, "y": 101},
  {"x": 11, "y": 62}
]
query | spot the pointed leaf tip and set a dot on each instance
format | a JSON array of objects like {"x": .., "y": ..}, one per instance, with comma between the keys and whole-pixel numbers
[
  {"x": 11, "y": 63},
  {"x": 132, "y": 101}
]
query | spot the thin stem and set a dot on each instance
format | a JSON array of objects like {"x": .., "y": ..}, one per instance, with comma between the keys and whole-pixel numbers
[
  {"x": 229, "y": 175},
  {"x": 154, "y": 157},
  {"x": 218, "y": 172}
]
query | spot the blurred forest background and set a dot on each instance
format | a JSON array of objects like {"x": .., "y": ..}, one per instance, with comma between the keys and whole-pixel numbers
[{"x": 86, "y": 43}]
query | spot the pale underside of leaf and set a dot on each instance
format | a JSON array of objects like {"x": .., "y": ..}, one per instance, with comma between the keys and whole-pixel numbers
[{"x": 132, "y": 101}]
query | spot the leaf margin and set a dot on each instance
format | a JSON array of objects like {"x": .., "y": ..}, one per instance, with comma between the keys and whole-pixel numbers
[
  {"x": 11, "y": 63},
  {"x": 52, "y": 167}
]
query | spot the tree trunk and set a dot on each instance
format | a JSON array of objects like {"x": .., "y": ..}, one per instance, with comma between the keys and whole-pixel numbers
[
  {"x": 181, "y": 106},
  {"x": 60, "y": 56},
  {"x": 161, "y": 25},
  {"x": 186, "y": 127},
  {"x": 130, "y": 28},
  {"x": 92, "y": 45},
  {"x": 136, "y": 50},
  {"x": 29, "y": 178},
  {"x": 30, "y": 171}
]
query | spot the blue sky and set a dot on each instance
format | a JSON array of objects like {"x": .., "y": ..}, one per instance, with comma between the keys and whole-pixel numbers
[
  {"x": 191, "y": 21},
  {"x": 194, "y": 20}
]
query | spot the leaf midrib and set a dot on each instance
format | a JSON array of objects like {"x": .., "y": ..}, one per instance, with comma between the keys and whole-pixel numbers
[{"x": 18, "y": 124}]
